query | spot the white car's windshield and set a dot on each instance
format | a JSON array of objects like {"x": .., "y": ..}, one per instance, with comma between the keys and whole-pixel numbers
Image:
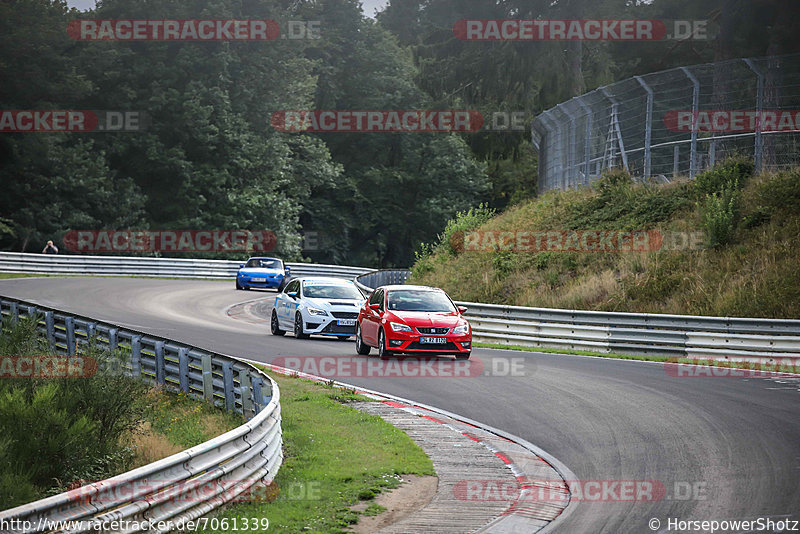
[
  {"x": 338, "y": 291},
  {"x": 419, "y": 300},
  {"x": 264, "y": 263}
]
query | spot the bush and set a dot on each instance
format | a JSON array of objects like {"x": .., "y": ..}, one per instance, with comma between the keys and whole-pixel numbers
[
  {"x": 613, "y": 181},
  {"x": 781, "y": 193},
  {"x": 720, "y": 213},
  {"x": 622, "y": 205},
  {"x": 58, "y": 431},
  {"x": 732, "y": 172},
  {"x": 452, "y": 239}
]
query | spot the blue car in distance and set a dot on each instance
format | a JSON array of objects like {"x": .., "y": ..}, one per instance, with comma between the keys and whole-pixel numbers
[{"x": 262, "y": 273}]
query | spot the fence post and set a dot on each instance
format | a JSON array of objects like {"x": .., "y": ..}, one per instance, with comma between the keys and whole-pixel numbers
[
  {"x": 159, "y": 351},
  {"x": 50, "y": 326},
  {"x": 587, "y": 146},
  {"x": 712, "y": 153},
  {"x": 675, "y": 160},
  {"x": 136, "y": 356},
  {"x": 615, "y": 124},
  {"x": 758, "y": 148},
  {"x": 227, "y": 380},
  {"x": 695, "y": 111},
  {"x": 14, "y": 313},
  {"x": 571, "y": 156},
  {"x": 552, "y": 161},
  {"x": 69, "y": 323},
  {"x": 648, "y": 126},
  {"x": 183, "y": 369},
  {"x": 208, "y": 378}
]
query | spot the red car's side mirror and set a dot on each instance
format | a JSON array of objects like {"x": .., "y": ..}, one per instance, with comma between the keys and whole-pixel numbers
[
  {"x": 462, "y": 309},
  {"x": 375, "y": 307}
]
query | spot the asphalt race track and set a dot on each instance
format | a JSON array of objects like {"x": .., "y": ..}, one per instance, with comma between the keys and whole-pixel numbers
[{"x": 724, "y": 448}]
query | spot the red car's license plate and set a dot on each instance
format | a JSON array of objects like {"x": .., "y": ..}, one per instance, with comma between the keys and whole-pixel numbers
[{"x": 435, "y": 340}]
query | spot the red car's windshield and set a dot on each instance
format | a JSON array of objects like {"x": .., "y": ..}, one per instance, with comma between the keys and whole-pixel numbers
[{"x": 419, "y": 300}]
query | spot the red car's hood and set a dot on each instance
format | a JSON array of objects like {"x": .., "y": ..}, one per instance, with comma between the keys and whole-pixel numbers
[{"x": 413, "y": 318}]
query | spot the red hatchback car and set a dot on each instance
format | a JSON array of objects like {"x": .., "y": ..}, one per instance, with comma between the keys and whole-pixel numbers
[{"x": 412, "y": 319}]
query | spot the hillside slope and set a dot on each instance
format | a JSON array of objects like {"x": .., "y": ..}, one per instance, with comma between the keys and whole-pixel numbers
[{"x": 747, "y": 264}]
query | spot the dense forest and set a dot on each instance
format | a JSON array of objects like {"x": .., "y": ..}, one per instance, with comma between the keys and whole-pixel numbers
[{"x": 209, "y": 158}]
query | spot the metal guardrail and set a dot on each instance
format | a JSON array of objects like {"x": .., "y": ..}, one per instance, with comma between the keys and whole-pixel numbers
[
  {"x": 679, "y": 336},
  {"x": 369, "y": 281},
  {"x": 20, "y": 262},
  {"x": 184, "y": 486}
]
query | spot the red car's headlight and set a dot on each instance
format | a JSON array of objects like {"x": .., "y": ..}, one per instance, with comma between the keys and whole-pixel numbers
[
  {"x": 461, "y": 329},
  {"x": 400, "y": 327}
]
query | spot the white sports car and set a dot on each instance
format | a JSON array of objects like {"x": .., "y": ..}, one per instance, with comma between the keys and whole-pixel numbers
[{"x": 319, "y": 306}]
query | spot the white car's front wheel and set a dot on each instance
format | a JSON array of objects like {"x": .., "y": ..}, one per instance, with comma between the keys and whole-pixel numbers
[
  {"x": 298, "y": 327},
  {"x": 275, "y": 326}
]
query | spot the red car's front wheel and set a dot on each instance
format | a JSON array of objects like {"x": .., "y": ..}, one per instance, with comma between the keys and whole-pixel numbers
[
  {"x": 361, "y": 347},
  {"x": 382, "y": 352}
]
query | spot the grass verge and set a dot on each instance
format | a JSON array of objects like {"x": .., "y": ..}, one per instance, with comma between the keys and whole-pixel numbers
[
  {"x": 173, "y": 422},
  {"x": 614, "y": 355},
  {"x": 334, "y": 457},
  {"x": 766, "y": 368}
]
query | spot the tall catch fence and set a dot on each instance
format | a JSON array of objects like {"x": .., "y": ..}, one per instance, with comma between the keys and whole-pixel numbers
[{"x": 677, "y": 122}]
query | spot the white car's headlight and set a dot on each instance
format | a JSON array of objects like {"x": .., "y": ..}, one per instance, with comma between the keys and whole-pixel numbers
[
  {"x": 316, "y": 311},
  {"x": 461, "y": 329},
  {"x": 400, "y": 327}
]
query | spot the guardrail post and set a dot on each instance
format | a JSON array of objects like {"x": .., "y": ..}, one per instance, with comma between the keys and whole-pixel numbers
[
  {"x": 69, "y": 323},
  {"x": 50, "y": 326},
  {"x": 159, "y": 351},
  {"x": 136, "y": 356},
  {"x": 183, "y": 369},
  {"x": 227, "y": 380},
  {"x": 113, "y": 340},
  {"x": 91, "y": 329},
  {"x": 258, "y": 396},
  {"x": 31, "y": 311},
  {"x": 14, "y": 313},
  {"x": 244, "y": 389},
  {"x": 208, "y": 377}
]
